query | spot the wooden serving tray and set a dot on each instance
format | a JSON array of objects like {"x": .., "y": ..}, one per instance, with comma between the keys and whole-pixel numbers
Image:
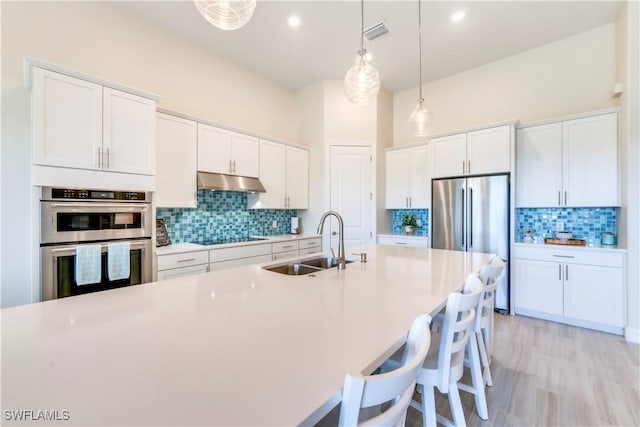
[{"x": 568, "y": 242}]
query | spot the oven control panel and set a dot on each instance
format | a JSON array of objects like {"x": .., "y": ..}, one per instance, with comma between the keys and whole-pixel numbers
[{"x": 86, "y": 194}]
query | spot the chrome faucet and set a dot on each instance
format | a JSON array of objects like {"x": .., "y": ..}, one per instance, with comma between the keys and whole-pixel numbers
[{"x": 340, "y": 261}]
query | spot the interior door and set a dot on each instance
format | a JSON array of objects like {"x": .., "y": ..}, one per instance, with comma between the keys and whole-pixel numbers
[{"x": 351, "y": 194}]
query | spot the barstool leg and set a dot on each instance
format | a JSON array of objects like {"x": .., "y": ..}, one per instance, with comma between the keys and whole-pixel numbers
[
  {"x": 477, "y": 379},
  {"x": 484, "y": 360}
]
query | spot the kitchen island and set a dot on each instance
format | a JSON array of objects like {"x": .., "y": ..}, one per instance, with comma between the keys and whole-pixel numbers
[{"x": 243, "y": 346}]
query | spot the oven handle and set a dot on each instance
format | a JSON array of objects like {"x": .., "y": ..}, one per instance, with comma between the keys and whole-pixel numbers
[
  {"x": 100, "y": 205},
  {"x": 71, "y": 248}
]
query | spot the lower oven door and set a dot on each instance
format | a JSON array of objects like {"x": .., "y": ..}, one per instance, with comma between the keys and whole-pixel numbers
[{"x": 58, "y": 269}]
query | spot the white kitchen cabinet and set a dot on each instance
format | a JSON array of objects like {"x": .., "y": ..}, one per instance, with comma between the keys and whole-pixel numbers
[
  {"x": 407, "y": 180},
  {"x": 129, "y": 133},
  {"x": 472, "y": 153},
  {"x": 297, "y": 178},
  {"x": 286, "y": 249},
  {"x": 539, "y": 166},
  {"x": 236, "y": 256},
  {"x": 411, "y": 241},
  {"x": 67, "y": 121},
  {"x": 581, "y": 287},
  {"x": 570, "y": 163},
  {"x": 182, "y": 264},
  {"x": 284, "y": 172},
  {"x": 83, "y": 125},
  {"x": 176, "y": 162},
  {"x": 309, "y": 246},
  {"x": 227, "y": 152}
]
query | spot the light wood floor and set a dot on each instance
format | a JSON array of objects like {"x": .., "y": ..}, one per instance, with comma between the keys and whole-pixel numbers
[{"x": 549, "y": 374}]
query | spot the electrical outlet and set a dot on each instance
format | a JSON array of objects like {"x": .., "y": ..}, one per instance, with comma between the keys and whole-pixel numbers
[
  {"x": 274, "y": 224},
  {"x": 559, "y": 226},
  {"x": 419, "y": 222}
]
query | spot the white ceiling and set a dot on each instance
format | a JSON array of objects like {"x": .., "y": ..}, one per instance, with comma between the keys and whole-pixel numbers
[{"x": 325, "y": 44}]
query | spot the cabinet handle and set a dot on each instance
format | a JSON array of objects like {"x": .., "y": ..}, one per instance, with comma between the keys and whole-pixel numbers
[
  {"x": 234, "y": 166},
  {"x": 463, "y": 166},
  {"x": 108, "y": 158},
  {"x": 559, "y": 271},
  {"x": 566, "y": 272},
  {"x": 559, "y": 200},
  {"x": 409, "y": 201},
  {"x": 468, "y": 166},
  {"x": 287, "y": 247},
  {"x": 288, "y": 201},
  {"x": 99, "y": 157},
  {"x": 230, "y": 171},
  {"x": 186, "y": 260},
  {"x": 565, "y": 197},
  {"x": 563, "y": 256},
  {"x": 400, "y": 243}
]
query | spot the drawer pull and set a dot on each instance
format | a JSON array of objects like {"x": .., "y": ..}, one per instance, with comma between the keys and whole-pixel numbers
[
  {"x": 287, "y": 247},
  {"x": 563, "y": 256},
  {"x": 186, "y": 260},
  {"x": 400, "y": 243}
]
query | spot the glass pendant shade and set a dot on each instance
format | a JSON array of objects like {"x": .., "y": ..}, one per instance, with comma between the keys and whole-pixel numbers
[
  {"x": 362, "y": 81},
  {"x": 420, "y": 120},
  {"x": 226, "y": 14}
]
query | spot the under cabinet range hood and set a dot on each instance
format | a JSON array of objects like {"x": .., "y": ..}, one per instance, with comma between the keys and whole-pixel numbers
[{"x": 218, "y": 181}]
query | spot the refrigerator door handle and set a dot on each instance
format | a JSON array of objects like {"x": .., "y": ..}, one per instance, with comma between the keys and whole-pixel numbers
[
  {"x": 462, "y": 218},
  {"x": 470, "y": 219}
]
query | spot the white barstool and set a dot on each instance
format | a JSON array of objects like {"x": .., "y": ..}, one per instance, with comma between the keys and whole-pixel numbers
[
  {"x": 398, "y": 385},
  {"x": 444, "y": 365}
]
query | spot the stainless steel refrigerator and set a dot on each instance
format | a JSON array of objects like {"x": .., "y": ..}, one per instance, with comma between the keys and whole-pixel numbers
[{"x": 472, "y": 214}]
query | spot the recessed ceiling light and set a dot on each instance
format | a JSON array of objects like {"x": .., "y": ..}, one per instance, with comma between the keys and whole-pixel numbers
[
  {"x": 294, "y": 21},
  {"x": 458, "y": 16}
]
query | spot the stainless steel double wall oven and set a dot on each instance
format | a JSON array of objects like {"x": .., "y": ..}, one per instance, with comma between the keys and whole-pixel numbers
[{"x": 74, "y": 217}]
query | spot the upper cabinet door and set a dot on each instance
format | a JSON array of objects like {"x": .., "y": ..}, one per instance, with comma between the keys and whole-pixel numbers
[
  {"x": 176, "y": 162},
  {"x": 449, "y": 155},
  {"x": 539, "y": 166},
  {"x": 590, "y": 154},
  {"x": 397, "y": 182},
  {"x": 272, "y": 175},
  {"x": 420, "y": 196},
  {"x": 489, "y": 150},
  {"x": 67, "y": 121},
  {"x": 129, "y": 134},
  {"x": 214, "y": 149},
  {"x": 297, "y": 178},
  {"x": 244, "y": 155}
]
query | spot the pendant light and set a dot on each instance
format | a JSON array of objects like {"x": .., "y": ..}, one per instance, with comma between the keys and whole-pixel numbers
[
  {"x": 420, "y": 120},
  {"x": 226, "y": 14},
  {"x": 362, "y": 81}
]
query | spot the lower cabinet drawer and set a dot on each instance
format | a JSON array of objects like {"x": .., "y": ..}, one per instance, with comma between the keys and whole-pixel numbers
[
  {"x": 284, "y": 246},
  {"x": 228, "y": 254},
  {"x": 182, "y": 272},
  {"x": 308, "y": 251},
  {"x": 316, "y": 242},
  {"x": 404, "y": 241},
  {"x": 187, "y": 259},
  {"x": 283, "y": 255},
  {"x": 222, "y": 265}
]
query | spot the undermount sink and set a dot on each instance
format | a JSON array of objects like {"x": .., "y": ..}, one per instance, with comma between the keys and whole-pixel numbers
[{"x": 304, "y": 266}]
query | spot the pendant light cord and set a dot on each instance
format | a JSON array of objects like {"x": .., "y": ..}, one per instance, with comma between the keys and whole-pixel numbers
[{"x": 420, "y": 46}]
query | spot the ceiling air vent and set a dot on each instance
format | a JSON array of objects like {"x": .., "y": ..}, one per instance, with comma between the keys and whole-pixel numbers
[{"x": 376, "y": 31}]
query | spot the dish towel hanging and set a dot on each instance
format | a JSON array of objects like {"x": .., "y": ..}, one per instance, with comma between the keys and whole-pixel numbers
[
  {"x": 88, "y": 264},
  {"x": 118, "y": 260}
]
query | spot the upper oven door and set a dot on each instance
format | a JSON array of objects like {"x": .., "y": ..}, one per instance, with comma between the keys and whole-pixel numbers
[{"x": 87, "y": 221}]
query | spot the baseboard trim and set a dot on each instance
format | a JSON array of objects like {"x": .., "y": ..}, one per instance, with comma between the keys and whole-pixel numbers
[{"x": 632, "y": 334}]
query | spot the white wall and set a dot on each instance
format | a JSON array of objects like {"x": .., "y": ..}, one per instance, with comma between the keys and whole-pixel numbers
[
  {"x": 568, "y": 76},
  {"x": 384, "y": 222},
  {"x": 102, "y": 39}
]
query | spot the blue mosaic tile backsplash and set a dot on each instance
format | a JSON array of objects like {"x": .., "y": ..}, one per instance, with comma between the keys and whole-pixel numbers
[
  {"x": 421, "y": 215},
  {"x": 223, "y": 215},
  {"x": 583, "y": 223}
]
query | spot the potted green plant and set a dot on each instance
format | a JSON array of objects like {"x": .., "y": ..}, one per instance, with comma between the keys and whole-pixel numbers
[{"x": 409, "y": 224}]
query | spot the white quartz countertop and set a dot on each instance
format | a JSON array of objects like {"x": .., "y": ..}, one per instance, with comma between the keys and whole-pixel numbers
[
  {"x": 177, "y": 248},
  {"x": 243, "y": 346},
  {"x": 408, "y": 236}
]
